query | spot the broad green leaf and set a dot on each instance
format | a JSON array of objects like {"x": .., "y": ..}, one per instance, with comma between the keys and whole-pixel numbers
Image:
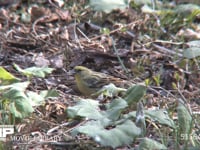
[
  {"x": 35, "y": 99},
  {"x": 13, "y": 94},
  {"x": 186, "y": 9},
  {"x": 195, "y": 43},
  {"x": 135, "y": 93},
  {"x": 160, "y": 116},
  {"x": 39, "y": 72},
  {"x": 148, "y": 9},
  {"x": 14, "y": 111},
  {"x": 191, "y": 52},
  {"x": 120, "y": 135},
  {"x": 149, "y": 144},
  {"x": 184, "y": 119},
  {"x": 23, "y": 107},
  {"x": 108, "y": 5},
  {"x": 85, "y": 108},
  {"x": 49, "y": 93},
  {"x": 91, "y": 109},
  {"x": 20, "y": 105},
  {"x": 113, "y": 109},
  {"x": 38, "y": 99},
  {"x": 143, "y": 2},
  {"x": 6, "y": 77},
  {"x": 130, "y": 115},
  {"x": 35, "y": 71},
  {"x": 21, "y": 86}
]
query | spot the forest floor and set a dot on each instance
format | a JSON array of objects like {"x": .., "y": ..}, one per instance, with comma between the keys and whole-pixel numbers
[{"x": 157, "y": 48}]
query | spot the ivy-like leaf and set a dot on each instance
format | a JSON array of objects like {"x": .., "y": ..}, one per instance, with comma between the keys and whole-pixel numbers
[
  {"x": 35, "y": 71},
  {"x": 35, "y": 99},
  {"x": 135, "y": 93},
  {"x": 85, "y": 108},
  {"x": 121, "y": 134},
  {"x": 21, "y": 86},
  {"x": 191, "y": 52},
  {"x": 149, "y": 144},
  {"x": 160, "y": 116},
  {"x": 49, "y": 93},
  {"x": 20, "y": 105},
  {"x": 195, "y": 43},
  {"x": 113, "y": 109}
]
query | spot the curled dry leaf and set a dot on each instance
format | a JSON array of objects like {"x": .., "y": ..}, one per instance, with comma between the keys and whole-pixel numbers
[
  {"x": 38, "y": 12},
  {"x": 64, "y": 15}
]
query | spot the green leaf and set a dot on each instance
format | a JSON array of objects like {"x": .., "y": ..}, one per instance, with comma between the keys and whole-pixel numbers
[
  {"x": 108, "y": 5},
  {"x": 21, "y": 86},
  {"x": 149, "y": 144},
  {"x": 113, "y": 109},
  {"x": 135, "y": 93},
  {"x": 99, "y": 127},
  {"x": 85, "y": 108},
  {"x": 160, "y": 116},
  {"x": 121, "y": 134},
  {"x": 6, "y": 77},
  {"x": 39, "y": 72},
  {"x": 91, "y": 109},
  {"x": 38, "y": 99},
  {"x": 35, "y": 71},
  {"x": 143, "y": 2},
  {"x": 49, "y": 93},
  {"x": 12, "y": 94},
  {"x": 20, "y": 105},
  {"x": 195, "y": 43},
  {"x": 35, "y": 99},
  {"x": 14, "y": 111},
  {"x": 23, "y": 107},
  {"x": 191, "y": 52},
  {"x": 131, "y": 115},
  {"x": 148, "y": 9},
  {"x": 186, "y": 9},
  {"x": 184, "y": 119}
]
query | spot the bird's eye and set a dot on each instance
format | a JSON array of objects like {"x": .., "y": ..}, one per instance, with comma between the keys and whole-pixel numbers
[{"x": 77, "y": 70}]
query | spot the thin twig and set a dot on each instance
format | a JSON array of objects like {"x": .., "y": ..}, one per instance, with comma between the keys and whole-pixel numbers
[
  {"x": 165, "y": 50},
  {"x": 120, "y": 61}
]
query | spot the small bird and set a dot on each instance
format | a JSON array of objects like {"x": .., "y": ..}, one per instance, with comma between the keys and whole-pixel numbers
[{"x": 89, "y": 82}]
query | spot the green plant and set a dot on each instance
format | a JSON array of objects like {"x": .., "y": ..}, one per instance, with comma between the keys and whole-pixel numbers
[
  {"x": 114, "y": 125},
  {"x": 16, "y": 102},
  {"x": 111, "y": 126}
]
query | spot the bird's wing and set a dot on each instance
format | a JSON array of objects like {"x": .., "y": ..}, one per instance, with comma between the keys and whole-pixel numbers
[{"x": 95, "y": 81}]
